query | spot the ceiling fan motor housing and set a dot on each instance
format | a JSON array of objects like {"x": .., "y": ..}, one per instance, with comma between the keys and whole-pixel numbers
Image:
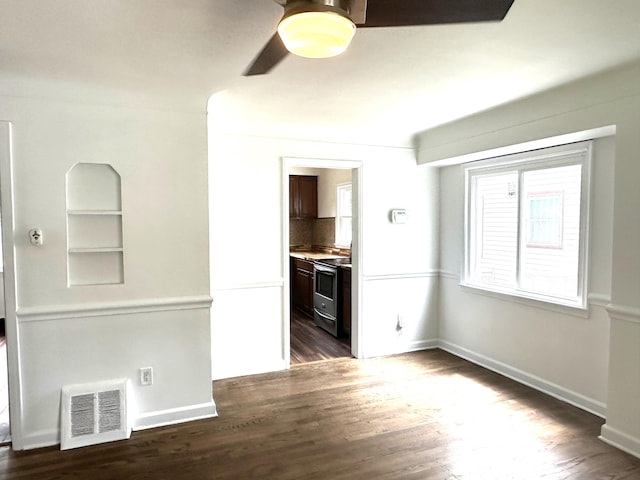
[{"x": 293, "y": 7}]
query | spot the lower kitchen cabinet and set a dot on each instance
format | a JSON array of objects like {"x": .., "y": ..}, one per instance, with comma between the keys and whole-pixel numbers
[
  {"x": 302, "y": 285},
  {"x": 346, "y": 302}
]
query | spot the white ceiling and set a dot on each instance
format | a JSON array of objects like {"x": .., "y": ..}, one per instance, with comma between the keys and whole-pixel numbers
[{"x": 390, "y": 84}]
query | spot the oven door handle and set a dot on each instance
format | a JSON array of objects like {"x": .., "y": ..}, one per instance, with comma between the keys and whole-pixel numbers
[
  {"x": 321, "y": 268},
  {"x": 324, "y": 315}
]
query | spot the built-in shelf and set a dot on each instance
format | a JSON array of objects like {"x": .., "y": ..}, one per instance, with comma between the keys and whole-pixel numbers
[{"x": 94, "y": 226}]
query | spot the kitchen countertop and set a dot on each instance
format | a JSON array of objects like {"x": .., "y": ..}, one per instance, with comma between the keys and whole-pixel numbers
[{"x": 311, "y": 256}]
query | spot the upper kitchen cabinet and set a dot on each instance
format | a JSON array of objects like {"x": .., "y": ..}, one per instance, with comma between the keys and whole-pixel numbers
[{"x": 303, "y": 196}]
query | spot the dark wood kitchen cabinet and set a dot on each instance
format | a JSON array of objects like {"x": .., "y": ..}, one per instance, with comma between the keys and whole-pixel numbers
[
  {"x": 346, "y": 302},
  {"x": 302, "y": 285},
  {"x": 303, "y": 196}
]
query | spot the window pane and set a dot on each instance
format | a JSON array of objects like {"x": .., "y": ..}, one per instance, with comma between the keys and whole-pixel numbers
[
  {"x": 345, "y": 206},
  {"x": 550, "y": 254},
  {"x": 545, "y": 220},
  {"x": 343, "y": 216},
  {"x": 345, "y": 229},
  {"x": 494, "y": 235}
]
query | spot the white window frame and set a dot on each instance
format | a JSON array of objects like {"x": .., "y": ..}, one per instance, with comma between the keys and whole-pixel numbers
[
  {"x": 339, "y": 215},
  {"x": 558, "y": 156}
]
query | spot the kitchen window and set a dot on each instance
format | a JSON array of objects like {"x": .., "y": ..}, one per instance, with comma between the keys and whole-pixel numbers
[
  {"x": 344, "y": 219},
  {"x": 526, "y": 224}
]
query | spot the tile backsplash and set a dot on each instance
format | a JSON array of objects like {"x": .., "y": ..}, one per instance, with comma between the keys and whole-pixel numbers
[
  {"x": 301, "y": 231},
  {"x": 314, "y": 231}
]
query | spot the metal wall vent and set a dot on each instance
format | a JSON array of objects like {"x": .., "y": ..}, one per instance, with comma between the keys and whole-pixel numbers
[{"x": 94, "y": 413}]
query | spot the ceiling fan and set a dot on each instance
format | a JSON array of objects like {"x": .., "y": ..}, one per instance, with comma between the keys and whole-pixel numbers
[{"x": 324, "y": 28}]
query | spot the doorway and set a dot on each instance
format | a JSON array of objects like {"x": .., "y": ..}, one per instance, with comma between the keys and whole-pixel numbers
[
  {"x": 10, "y": 430},
  {"x": 306, "y": 341}
]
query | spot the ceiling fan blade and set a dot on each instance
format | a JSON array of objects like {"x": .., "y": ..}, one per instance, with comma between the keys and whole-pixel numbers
[
  {"x": 399, "y": 13},
  {"x": 272, "y": 53}
]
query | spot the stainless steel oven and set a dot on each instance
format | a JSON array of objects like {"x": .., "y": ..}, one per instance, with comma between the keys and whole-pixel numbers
[{"x": 326, "y": 295}]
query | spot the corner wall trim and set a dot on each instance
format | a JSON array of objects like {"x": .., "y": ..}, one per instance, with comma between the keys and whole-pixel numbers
[
  {"x": 624, "y": 313},
  {"x": 620, "y": 440},
  {"x": 576, "y": 399},
  {"x": 99, "y": 309},
  {"x": 173, "y": 416},
  {"x": 599, "y": 299}
]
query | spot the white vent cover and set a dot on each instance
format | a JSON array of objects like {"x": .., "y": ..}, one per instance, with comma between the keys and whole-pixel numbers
[{"x": 94, "y": 413}]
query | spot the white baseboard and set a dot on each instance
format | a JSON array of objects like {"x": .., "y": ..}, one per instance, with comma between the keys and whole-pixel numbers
[
  {"x": 49, "y": 438},
  {"x": 173, "y": 416},
  {"x": 39, "y": 439},
  {"x": 253, "y": 369},
  {"x": 576, "y": 399},
  {"x": 423, "y": 345},
  {"x": 620, "y": 440},
  {"x": 395, "y": 349}
]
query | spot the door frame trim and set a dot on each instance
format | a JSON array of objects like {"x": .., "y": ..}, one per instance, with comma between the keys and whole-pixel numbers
[
  {"x": 10, "y": 289},
  {"x": 357, "y": 169}
]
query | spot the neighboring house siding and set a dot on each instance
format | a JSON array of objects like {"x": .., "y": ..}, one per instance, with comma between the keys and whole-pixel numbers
[{"x": 497, "y": 229}]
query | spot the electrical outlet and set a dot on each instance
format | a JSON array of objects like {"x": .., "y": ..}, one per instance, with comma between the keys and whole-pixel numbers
[{"x": 146, "y": 376}]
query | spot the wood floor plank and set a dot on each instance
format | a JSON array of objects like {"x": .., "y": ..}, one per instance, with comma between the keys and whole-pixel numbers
[
  {"x": 421, "y": 415},
  {"x": 311, "y": 344}
]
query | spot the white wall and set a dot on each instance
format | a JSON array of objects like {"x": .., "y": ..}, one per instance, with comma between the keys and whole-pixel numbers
[
  {"x": 575, "y": 348},
  {"x": 159, "y": 317},
  {"x": 399, "y": 262},
  {"x": 567, "y": 353}
]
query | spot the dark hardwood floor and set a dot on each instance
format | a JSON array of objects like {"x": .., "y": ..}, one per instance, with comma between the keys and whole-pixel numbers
[
  {"x": 415, "y": 416},
  {"x": 311, "y": 344}
]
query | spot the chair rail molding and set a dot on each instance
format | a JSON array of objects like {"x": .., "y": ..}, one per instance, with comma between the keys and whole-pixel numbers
[{"x": 99, "y": 309}]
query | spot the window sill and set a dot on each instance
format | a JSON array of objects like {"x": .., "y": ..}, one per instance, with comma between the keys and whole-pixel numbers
[{"x": 574, "y": 310}]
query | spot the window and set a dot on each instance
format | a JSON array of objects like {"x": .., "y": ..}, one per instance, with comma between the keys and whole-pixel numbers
[
  {"x": 545, "y": 220},
  {"x": 344, "y": 219},
  {"x": 526, "y": 224}
]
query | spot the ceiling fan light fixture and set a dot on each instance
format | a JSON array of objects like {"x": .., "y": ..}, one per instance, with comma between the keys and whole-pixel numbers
[{"x": 316, "y": 34}]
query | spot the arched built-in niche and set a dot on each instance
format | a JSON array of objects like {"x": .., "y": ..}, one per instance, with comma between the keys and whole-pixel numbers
[{"x": 94, "y": 225}]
